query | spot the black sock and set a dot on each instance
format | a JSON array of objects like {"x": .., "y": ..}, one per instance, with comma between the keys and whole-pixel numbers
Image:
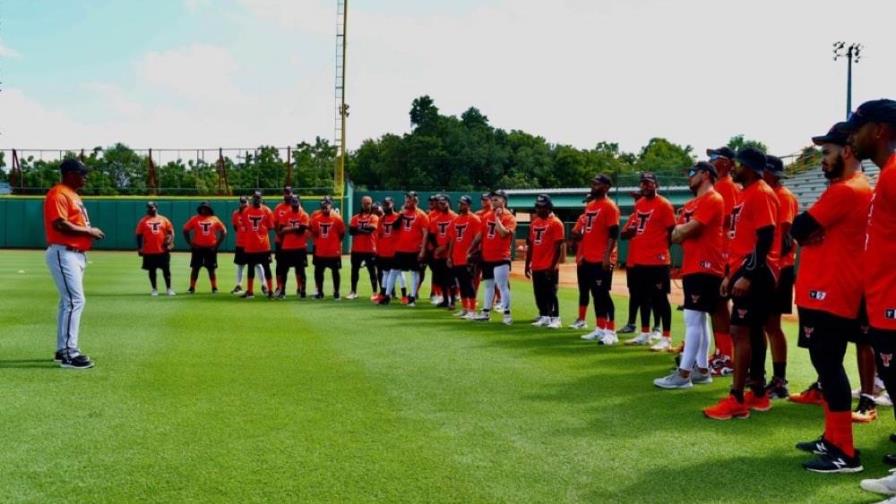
[
  {"x": 738, "y": 394},
  {"x": 779, "y": 369}
]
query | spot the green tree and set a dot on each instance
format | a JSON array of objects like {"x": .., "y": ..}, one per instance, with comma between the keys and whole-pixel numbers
[
  {"x": 661, "y": 155},
  {"x": 738, "y": 142}
]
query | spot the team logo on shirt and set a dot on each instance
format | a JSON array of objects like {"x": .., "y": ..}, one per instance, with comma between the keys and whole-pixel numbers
[
  {"x": 695, "y": 298},
  {"x": 294, "y": 223},
  {"x": 706, "y": 265},
  {"x": 459, "y": 230},
  {"x": 590, "y": 218},
  {"x": 735, "y": 217},
  {"x": 206, "y": 227},
  {"x": 643, "y": 219},
  {"x": 408, "y": 221},
  {"x": 154, "y": 227},
  {"x": 885, "y": 358},
  {"x": 443, "y": 228},
  {"x": 890, "y": 313},
  {"x": 817, "y": 295},
  {"x": 687, "y": 215},
  {"x": 742, "y": 313},
  {"x": 256, "y": 221},
  {"x": 807, "y": 331},
  {"x": 492, "y": 229},
  {"x": 83, "y": 210},
  {"x": 325, "y": 229},
  {"x": 539, "y": 235}
]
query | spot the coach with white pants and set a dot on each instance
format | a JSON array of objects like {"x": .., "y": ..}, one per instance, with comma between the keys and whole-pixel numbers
[{"x": 69, "y": 237}]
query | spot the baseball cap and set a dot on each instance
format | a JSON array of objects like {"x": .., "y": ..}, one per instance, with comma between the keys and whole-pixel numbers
[
  {"x": 543, "y": 200},
  {"x": 883, "y": 111},
  {"x": 244, "y": 199},
  {"x": 602, "y": 179},
  {"x": 434, "y": 197},
  {"x": 725, "y": 152},
  {"x": 256, "y": 194},
  {"x": 485, "y": 196},
  {"x": 837, "y": 135},
  {"x": 648, "y": 177},
  {"x": 73, "y": 165},
  {"x": 388, "y": 199},
  {"x": 751, "y": 158},
  {"x": 704, "y": 167},
  {"x": 466, "y": 199},
  {"x": 326, "y": 200},
  {"x": 411, "y": 194},
  {"x": 443, "y": 197},
  {"x": 293, "y": 200},
  {"x": 206, "y": 206},
  {"x": 498, "y": 193},
  {"x": 775, "y": 166},
  {"x": 287, "y": 190}
]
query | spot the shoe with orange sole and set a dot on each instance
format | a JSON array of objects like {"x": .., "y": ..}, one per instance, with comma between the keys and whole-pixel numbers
[
  {"x": 726, "y": 409},
  {"x": 757, "y": 403},
  {"x": 811, "y": 395}
]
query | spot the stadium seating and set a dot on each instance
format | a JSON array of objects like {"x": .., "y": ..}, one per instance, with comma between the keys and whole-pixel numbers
[{"x": 808, "y": 185}]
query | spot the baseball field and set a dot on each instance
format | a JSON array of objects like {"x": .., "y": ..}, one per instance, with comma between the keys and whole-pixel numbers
[{"x": 212, "y": 398}]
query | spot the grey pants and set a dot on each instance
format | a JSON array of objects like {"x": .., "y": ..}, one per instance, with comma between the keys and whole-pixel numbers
[{"x": 67, "y": 269}]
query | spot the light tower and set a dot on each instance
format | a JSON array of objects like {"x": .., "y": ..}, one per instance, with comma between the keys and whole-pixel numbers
[
  {"x": 851, "y": 53},
  {"x": 341, "y": 106}
]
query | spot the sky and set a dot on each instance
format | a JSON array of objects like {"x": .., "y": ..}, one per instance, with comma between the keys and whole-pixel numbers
[{"x": 241, "y": 73}]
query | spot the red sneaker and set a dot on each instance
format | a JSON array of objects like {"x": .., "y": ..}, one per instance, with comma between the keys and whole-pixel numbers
[
  {"x": 727, "y": 408},
  {"x": 757, "y": 403},
  {"x": 404, "y": 300},
  {"x": 376, "y": 298},
  {"x": 811, "y": 395}
]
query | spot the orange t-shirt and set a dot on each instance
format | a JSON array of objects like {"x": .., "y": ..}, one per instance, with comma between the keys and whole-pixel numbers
[
  {"x": 292, "y": 220},
  {"x": 205, "y": 230},
  {"x": 361, "y": 242},
  {"x": 327, "y": 232},
  {"x": 496, "y": 248},
  {"x": 600, "y": 215},
  {"x": 279, "y": 211},
  {"x": 439, "y": 224},
  {"x": 880, "y": 249},
  {"x": 789, "y": 208},
  {"x": 463, "y": 230},
  {"x": 703, "y": 252},
  {"x": 239, "y": 227},
  {"x": 543, "y": 237},
  {"x": 830, "y": 274},
  {"x": 155, "y": 231},
  {"x": 410, "y": 232},
  {"x": 729, "y": 190},
  {"x": 63, "y": 203},
  {"x": 651, "y": 220},
  {"x": 756, "y": 208},
  {"x": 259, "y": 222},
  {"x": 387, "y": 236}
]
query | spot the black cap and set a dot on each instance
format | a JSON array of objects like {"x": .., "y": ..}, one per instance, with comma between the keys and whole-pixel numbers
[
  {"x": 466, "y": 199},
  {"x": 72, "y": 165},
  {"x": 287, "y": 190},
  {"x": 543, "y": 200},
  {"x": 205, "y": 205},
  {"x": 151, "y": 204},
  {"x": 388, "y": 199},
  {"x": 326, "y": 200},
  {"x": 706, "y": 167},
  {"x": 751, "y": 158},
  {"x": 648, "y": 177},
  {"x": 725, "y": 152},
  {"x": 883, "y": 111},
  {"x": 411, "y": 194},
  {"x": 602, "y": 179},
  {"x": 244, "y": 199},
  {"x": 256, "y": 194},
  {"x": 443, "y": 197},
  {"x": 485, "y": 196},
  {"x": 499, "y": 193},
  {"x": 434, "y": 197},
  {"x": 775, "y": 166},
  {"x": 837, "y": 135}
]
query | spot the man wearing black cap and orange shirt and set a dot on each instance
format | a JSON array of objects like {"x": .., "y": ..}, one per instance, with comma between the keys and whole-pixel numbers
[
  {"x": 723, "y": 160},
  {"x": 496, "y": 239},
  {"x": 258, "y": 220},
  {"x": 155, "y": 239},
  {"x": 750, "y": 280},
  {"x": 410, "y": 247},
  {"x": 279, "y": 211},
  {"x": 648, "y": 230},
  {"x": 208, "y": 232},
  {"x": 327, "y": 231},
  {"x": 387, "y": 239},
  {"x": 544, "y": 247},
  {"x": 442, "y": 277},
  {"x": 463, "y": 231},
  {"x": 292, "y": 227}
]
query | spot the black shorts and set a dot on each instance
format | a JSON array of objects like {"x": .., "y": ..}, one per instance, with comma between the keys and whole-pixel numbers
[
  {"x": 488, "y": 268},
  {"x": 204, "y": 258},
  {"x": 155, "y": 261},
  {"x": 783, "y": 300},
  {"x": 595, "y": 274},
  {"x": 256, "y": 258},
  {"x": 278, "y": 251},
  {"x": 649, "y": 278},
  {"x": 407, "y": 261},
  {"x": 819, "y": 325},
  {"x": 884, "y": 343},
  {"x": 239, "y": 256},
  {"x": 701, "y": 292},
  {"x": 753, "y": 309},
  {"x": 297, "y": 258},
  {"x": 863, "y": 335},
  {"x": 385, "y": 263},
  {"x": 328, "y": 262},
  {"x": 363, "y": 258}
]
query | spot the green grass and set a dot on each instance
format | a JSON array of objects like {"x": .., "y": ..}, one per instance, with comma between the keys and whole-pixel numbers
[{"x": 212, "y": 398}]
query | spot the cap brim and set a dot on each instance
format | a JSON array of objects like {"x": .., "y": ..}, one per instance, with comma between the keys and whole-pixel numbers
[{"x": 828, "y": 139}]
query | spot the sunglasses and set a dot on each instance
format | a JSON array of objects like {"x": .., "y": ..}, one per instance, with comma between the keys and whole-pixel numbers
[
  {"x": 716, "y": 157},
  {"x": 692, "y": 172}
]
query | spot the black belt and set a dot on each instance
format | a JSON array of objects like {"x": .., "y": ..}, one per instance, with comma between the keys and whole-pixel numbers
[{"x": 73, "y": 249}]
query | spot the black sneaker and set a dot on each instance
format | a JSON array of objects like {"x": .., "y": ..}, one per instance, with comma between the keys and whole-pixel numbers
[
  {"x": 77, "y": 362},
  {"x": 834, "y": 462},
  {"x": 818, "y": 446},
  {"x": 628, "y": 329},
  {"x": 777, "y": 389},
  {"x": 280, "y": 295},
  {"x": 336, "y": 296},
  {"x": 214, "y": 290},
  {"x": 248, "y": 295},
  {"x": 264, "y": 289},
  {"x": 303, "y": 294},
  {"x": 57, "y": 357},
  {"x": 318, "y": 296},
  {"x": 236, "y": 290},
  {"x": 384, "y": 300},
  {"x": 192, "y": 290}
]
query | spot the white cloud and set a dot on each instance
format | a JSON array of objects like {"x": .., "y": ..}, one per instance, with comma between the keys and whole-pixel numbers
[
  {"x": 116, "y": 98},
  {"x": 197, "y": 5},
  {"x": 199, "y": 72},
  {"x": 311, "y": 16},
  {"x": 7, "y": 52}
]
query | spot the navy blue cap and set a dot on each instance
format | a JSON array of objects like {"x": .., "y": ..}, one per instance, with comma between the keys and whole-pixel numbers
[
  {"x": 600, "y": 178},
  {"x": 485, "y": 196},
  {"x": 244, "y": 199},
  {"x": 152, "y": 204},
  {"x": 388, "y": 199},
  {"x": 466, "y": 199},
  {"x": 326, "y": 200},
  {"x": 725, "y": 152},
  {"x": 648, "y": 177},
  {"x": 751, "y": 158},
  {"x": 837, "y": 135},
  {"x": 293, "y": 200},
  {"x": 883, "y": 111},
  {"x": 411, "y": 194},
  {"x": 704, "y": 167},
  {"x": 73, "y": 165},
  {"x": 206, "y": 206},
  {"x": 256, "y": 194},
  {"x": 775, "y": 166},
  {"x": 499, "y": 193},
  {"x": 543, "y": 200}
]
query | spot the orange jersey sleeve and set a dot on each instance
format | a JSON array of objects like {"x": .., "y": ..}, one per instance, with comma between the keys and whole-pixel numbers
[
  {"x": 328, "y": 231},
  {"x": 651, "y": 220},
  {"x": 703, "y": 253},
  {"x": 880, "y": 248},
  {"x": 544, "y": 234},
  {"x": 365, "y": 242},
  {"x": 756, "y": 208},
  {"x": 289, "y": 222},
  {"x": 463, "y": 230},
  {"x": 64, "y": 203},
  {"x": 788, "y": 207},
  {"x": 496, "y": 248}
]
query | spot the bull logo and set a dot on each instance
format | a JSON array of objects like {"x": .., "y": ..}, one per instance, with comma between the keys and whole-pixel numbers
[
  {"x": 885, "y": 359},
  {"x": 807, "y": 331}
]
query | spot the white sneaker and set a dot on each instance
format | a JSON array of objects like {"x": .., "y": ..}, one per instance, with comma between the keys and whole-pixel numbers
[
  {"x": 662, "y": 345},
  {"x": 460, "y": 313},
  {"x": 673, "y": 381},
  {"x": 883, "y": 399},
  {"x": 541, "y": 322},
  {"x": 171, "y": 292},
  {"x": 469, "y": 316},
  {"x": 507, "y": 320},
  {"x": 498, "y": 307},
  {"x": 351, "y": 295},
  {"x": 885, "y": 485},
  {"x": 579, "y": 324},
  {"x": 642, "y": 339},
  {"x": 555, "y": 323},
  {"x": 655, "y": 336},
  {"x": 154, "y": 293},
  {"x": 436, "y": 300},
  {"x": 482, "y": 316},
  {"x": 596, "y": 334},
  {"x": 891, "y": 500},
  {"x": 609, "y": 338}
]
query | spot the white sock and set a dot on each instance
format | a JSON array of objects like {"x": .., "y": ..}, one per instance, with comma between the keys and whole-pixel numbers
[
  {"x": 415, "y": 282},
  {"x": 401, "y": 281},
  {"x": 502, "y": 279},
  {"x": 259, "y": 272},
  {"x": 239, "y": 274},
  {"x": 694, "y": 334},
  {"x": 489, "y": 294}
]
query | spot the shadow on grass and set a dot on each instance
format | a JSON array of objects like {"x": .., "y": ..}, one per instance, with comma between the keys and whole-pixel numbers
[{"x": 28, "y": 364}]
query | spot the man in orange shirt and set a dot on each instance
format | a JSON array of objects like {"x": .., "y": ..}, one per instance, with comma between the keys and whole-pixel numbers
[
  {"x": 462, "y": 232},
  {"x": 543, "y": 249},
  {"x": 258, "y": 220},
  {"x": 496, "y": 239},
  {"x": 783, "y": 300},
  {"x": 69, "y": 236},
  {"x": 207, "y": 235},
  {"x": 442, "y": 278},
  {"x": 485, "y": 203},
  {"x": 596, "y": 232},
  {"x": 699, "y": 231},
  {"x": 410, "y": 246},
  {"x": 327, "y": 232},
  {"x": 279, "y": 211},
  {"x": 723, "y": 160},
  {"x": 750, "y": 279},
  {"x": 291, "y": 227},
  {"x": 648, "y": 230},
  {"x": 363, "y": 229},
  {"x": 155, "y": 239},
  {"x": 829, "y": 291},
  {"x": 387, "y": 237}
]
